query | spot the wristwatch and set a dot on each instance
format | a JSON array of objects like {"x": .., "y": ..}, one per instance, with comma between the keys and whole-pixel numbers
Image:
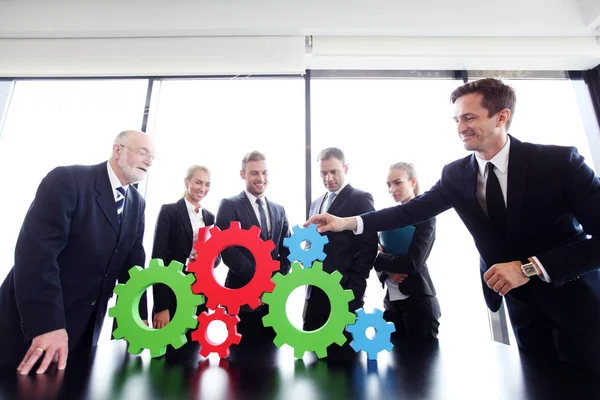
[{"x": 528, "y": 268}]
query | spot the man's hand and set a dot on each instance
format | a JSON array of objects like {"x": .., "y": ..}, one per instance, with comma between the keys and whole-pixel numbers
[
  {"x": 328, "y": 222},
  {"x": 396, "y": 278},
  {"x": 54, "y": 346},
  {"x": 504, "y": 277},
  {"x": 161, "y": 319}
]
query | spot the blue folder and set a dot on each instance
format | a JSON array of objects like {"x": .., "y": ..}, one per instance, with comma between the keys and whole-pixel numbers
[{"x": 397, "y": 241}]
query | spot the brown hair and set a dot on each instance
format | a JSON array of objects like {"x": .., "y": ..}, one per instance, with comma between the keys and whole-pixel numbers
[
  {"x": 496, "y": 96},
  {"x": 329, "y": 152}
]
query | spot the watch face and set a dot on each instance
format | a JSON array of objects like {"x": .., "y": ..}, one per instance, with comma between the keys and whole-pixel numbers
[{"x": 529, "y": 269}]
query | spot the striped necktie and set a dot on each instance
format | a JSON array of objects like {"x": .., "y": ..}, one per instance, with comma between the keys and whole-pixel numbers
[{"x": 120, "y": 202}]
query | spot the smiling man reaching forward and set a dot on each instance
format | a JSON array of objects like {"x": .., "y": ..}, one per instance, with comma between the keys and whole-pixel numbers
[
  {"x": 533, "y": 211},
  {"x": 83, "y": 231}
]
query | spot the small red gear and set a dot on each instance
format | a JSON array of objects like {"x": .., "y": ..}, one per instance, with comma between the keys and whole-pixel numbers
[
  {"x": 200, "y": 335},
  {"x": 208, "y": 251}
]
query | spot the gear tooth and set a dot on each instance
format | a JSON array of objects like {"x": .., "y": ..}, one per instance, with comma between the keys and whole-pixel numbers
[
  {"x": 360, "y": 312},
  {"x": 204, "y": 352},
  {"x": 223, "y": 352},
  {"x": 134, "y": 270},
  {"x": 372, "y": 355},
  {"x": 198, "y": 300},
  {"x": 178, "y": 341},
  {"x": 190, "y": 279},
  {"x": 278, "y": 341},
  {"x": 336, "y": 276},
  {"x": 296, "y": 228},
  {"x": 177, "y": 266},
  {"x": 340, "y": 339},
  {"x": 268, "y": 247},
  {"x": 235, "y": 338},
  {"x": 352, "y": 328},
  {"x": 254, "y": 303},
  {"x": 235, "y": 318},
  {"x": 325, "y": 240},
  {"x": 348, "y": 295},
  {"x": 269, "y": 287},
  {"x": 213, "y": 230},
  {"x": 220, "y": 311},
  {"x": 195, "y": 335},
  {"x": 354, "y": 346},
  {"x": 119, "y": 289},
  {"x": 349, "y": 318},
  {"x": 378, "y": 313},
  {"x": 203, "y": 317},
  {"x": 277, "y": 278},
  {"x": 299, "y": 353},
  {"x": 212, "y": 304},
  {"x": 391, "y": 327},
  {"x": 192, "y": 322},
  {"x": 158, "y": 351},
  {"x": 389, "y": 346},
  {"x": 317, "y": 265},
  {"x": 233, "y": 225},
  {"x": 255, "y": 230},
  {"x": 321, "y": 352},
  {"x": 234, "y": 309},
  {"x": 266, "y": 298},
  {"x": 131, "y": 349},
  {"x": 322, "y": 256},
  {"x": 156, "y": 262},
  {"x": 118, "y": 334},
  {"x": 267, "y": 320}
]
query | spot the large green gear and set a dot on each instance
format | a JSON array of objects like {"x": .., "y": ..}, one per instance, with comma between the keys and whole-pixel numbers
[
  {"x": 130, "y": 325},
  {"x": 317, "y": 340}
]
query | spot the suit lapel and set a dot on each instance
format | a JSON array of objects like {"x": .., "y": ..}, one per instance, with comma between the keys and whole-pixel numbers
[
  {"x": 518, "y": 165},
  {"x": 469, "y": 186},
  {"x": 249, "y": 210},
  {"x": 274, "y": 219},
  {"x": 105, "y": 196},
  {"x": 340, "y": 199},
  {"x": 208, "y": 220},
  {"x": 184, "y": 217}
]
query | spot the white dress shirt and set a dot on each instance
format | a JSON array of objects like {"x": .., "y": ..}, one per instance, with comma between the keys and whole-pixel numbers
[
  {"x": 115, "y": 183},
  {"x": 252, "y": 199}
]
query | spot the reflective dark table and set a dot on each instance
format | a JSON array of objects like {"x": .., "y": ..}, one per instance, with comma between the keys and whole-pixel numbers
[{"x": 440, "y": 370}]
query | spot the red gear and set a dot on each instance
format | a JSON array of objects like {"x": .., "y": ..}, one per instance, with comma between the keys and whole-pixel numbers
[
  {"x": 200, "y": 335},
  {"x": 207, "y": 254}
]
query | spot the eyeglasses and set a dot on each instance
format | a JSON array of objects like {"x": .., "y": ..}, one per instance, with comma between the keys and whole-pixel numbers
[{"x": 140, "y": 152}]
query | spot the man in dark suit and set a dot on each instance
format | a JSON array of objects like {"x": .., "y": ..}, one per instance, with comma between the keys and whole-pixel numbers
[
  {"x": 352, "y": 255},
  {"x": 83, "y": 231},
  {"x": 251, "y": 208},
  {"x": 533, "y": 212}
]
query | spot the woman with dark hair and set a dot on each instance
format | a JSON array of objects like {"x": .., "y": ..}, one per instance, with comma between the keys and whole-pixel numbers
[{"x": 410, "y": 300}]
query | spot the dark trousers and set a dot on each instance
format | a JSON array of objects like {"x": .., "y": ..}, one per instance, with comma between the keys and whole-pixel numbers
[
  {"x": 539, "y": 333},
  {"x": 316, "y": 312},
  {"x": 251, "y": 326},
  {"x": 415, "y": 318}
]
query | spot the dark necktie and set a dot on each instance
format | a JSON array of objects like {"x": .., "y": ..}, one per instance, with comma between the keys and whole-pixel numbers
[
  {"x": 494, "y": 199},
  {"x": 264, "y": 229},
  {"x": 120, "y": 203}
]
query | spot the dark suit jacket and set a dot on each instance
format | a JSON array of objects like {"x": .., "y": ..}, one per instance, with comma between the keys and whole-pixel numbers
[
  {"x": 239, "y": 260},
  {"x": 352, "y": 255},
  {"x": 550, "y": 193},
  {"x": 69, "y": 254},
  {"x": 173, "y": 241},
  {"x": 418, "y": 282}
]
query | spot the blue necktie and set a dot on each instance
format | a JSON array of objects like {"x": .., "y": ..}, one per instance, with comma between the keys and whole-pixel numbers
[
  {"x": 264, "y": 229},
  {"x": 120, "y": 203},
  {"x": 329, "y": 201}
]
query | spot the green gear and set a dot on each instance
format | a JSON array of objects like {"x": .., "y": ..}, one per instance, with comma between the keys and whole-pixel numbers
[
  {"x": 339, "y": 317},
  {"x": 130, "y": 325}
]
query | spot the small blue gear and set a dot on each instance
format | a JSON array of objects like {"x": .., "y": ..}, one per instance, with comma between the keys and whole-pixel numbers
[
  {"x": 383, "y": 331},
  {"x": 306, "y": 256}
]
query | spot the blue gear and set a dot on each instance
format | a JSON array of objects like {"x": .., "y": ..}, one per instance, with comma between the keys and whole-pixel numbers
[
  {"x": 381, "y": 340},
  {"x": 315, "y": 252}
]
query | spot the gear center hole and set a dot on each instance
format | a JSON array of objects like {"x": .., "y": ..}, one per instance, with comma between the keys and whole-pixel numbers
[
  {"x": 294, "y": 307},
  {"x": 305, "y": 245},
  {"x": 370, "y": 333},
  {"x": 216, "y": 332}
]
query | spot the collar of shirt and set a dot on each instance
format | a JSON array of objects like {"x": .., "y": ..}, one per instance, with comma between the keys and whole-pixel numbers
[
  {"x": 253, "y": 198},
  {"x": 500, "y": 160},
  {"x": 337, "y": 191},
  {"x": 191, "y": 207},
  {"x": 114, "y": 181}
]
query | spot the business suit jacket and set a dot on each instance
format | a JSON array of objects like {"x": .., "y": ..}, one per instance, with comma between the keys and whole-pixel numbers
[
  {"x": 413, "y": 263},
  {"x": 550, "y": 193},
  {"x": 70, "y": 252},
  {"x": 239, "y": 260},
  {"x": 352, "y": 255},
  {"x": 173, "y": 241}
]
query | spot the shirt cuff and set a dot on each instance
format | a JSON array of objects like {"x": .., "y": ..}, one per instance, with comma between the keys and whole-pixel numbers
[
  {"x": 545, "y": 277},
  {"x": 359, "y": 226}
]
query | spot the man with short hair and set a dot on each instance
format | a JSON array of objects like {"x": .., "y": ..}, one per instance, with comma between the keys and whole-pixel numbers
[
  {"x": 352, "y": 255},
  {"x": 83, "y": 231},
  {"x": 252, "y": 208},
  {"x": 533, "y": 212}
]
